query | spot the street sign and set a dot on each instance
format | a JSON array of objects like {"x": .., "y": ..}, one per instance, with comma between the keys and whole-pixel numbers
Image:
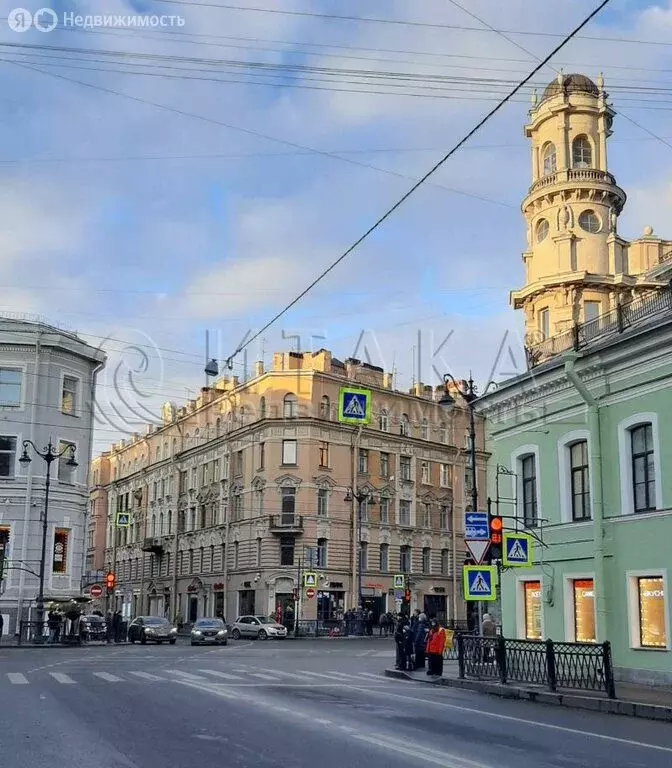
[
  {"x": 310, "y": 592},
  {"x": 479, "y": 582},
  {"x": 123, "y": 520},
  {"x": 517, "y": 550},
  {"x": 309, "y": 579},
  {"x": 477, "y": 549},
  {"x": 476, "y": 526},
  {"x": 399, "y": 581},
  {"x": 96, "y": 591},
  {"x": 354, "y": 405}
]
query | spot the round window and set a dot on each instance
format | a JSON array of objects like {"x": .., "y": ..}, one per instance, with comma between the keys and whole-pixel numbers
[
  {"x": 542, "y": 230},
  {"x": 589, "y": 221}
]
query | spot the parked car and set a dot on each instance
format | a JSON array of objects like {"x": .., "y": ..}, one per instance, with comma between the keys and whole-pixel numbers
[
  {"x": 152, "y": 628},
  {"x": 260, "y": 627},
  {"x": 209, "y": 631},
  {"x": 92, "y": 628}
]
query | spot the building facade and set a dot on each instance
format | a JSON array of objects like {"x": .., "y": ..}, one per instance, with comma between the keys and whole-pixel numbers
[
  {"x": 235, "y": 495},
  {"x": 47, "y": 389}
]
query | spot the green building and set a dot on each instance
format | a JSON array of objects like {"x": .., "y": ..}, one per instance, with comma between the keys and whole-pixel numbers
[{"x": 581, "y": 450}]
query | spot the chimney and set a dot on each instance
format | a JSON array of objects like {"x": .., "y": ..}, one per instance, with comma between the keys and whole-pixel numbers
[
  {"x": 388, "y": 380},
  {"x": 258, "y": 368}
]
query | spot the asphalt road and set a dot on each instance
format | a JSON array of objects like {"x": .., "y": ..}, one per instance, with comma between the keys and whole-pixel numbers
[{"x": 285, "y": 705}]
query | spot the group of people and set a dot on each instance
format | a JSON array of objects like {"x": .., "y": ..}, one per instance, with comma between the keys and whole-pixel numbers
[{"x": 420, "y": 639}]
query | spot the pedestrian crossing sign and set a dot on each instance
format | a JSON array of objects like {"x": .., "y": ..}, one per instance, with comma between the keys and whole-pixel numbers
[
  {"x": 517, "y": 550},
  {"x": 123, "y": 519},
  {"x": 309, "y": 579},
  {"x": 354, "y": 406},
  {"x": 399, "y": 581},
  {"x": 479, "y": 582}
]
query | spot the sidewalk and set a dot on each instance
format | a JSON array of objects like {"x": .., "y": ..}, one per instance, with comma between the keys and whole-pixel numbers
[{"x": 651, "y": 703}]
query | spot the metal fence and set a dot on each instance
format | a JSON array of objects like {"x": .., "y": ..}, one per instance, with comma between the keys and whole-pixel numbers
[{"x": 584, "y": 666}]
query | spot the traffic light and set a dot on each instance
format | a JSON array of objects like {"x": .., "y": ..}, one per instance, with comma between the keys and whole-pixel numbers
[
  {"x": 496, "y": 529},
  {"x": 110, "y": 582}
]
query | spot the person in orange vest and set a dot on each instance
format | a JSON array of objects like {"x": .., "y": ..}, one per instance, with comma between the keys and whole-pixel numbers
[{"x": 436, "y": 642}]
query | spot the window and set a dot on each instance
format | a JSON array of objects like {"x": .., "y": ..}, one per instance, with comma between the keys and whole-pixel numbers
[
  {"x": 426, "y": 515},
  {"x": 424, "y": 472},
  {"x": 532, "y": 606},
  {"x": 582, "y": 152},
  {"x": 260, "y": 501},
  {"x": 364, "y": 510},
  {"x": 321, "y": 553},
  {"x": 218, "y": 427},
  {"x": 544, "y": 323},
  {"x": 542, "y": 229},
  {"x": 238, "y": 470},
  {"x": 591, "y": 311},
  {"x": 325, "y": 407},
  {"x": 426, "y": 560},
  {"x": 262, "y": 455},
  {"x": 236, "y": 554},
  {"x": 384, "y": 557},
  {"x": 444, "y": 517},
  {"x": 580, "y": 480},
  {"x": 405, "y": 559},
  {"x": 289, "y": 452},
  {"x": 404, "y": 426},
  {"x": 643, "y": 468},
  {"x": 7, "y": 456},
  {"x": 69, "y": 395},
  {"x": 363, "y": 467},
  {"x": 363, "y": 556},
  {"x": 383, "y": 421},
  {"x": 443, "y": 434},
  {"x": 205, "y": 470},
  {"x": 384, "y": 510},
  {"x": 424, "y": 430},
  {"x": 290, "y": 407},
  {"x": 60, "y": 556},
  {"x": 584, "y": 611},
  {"x": 324, "y": 454},
  {"x": 384, "y": 464},
  {"x": 445, "y": 562},
  {"x": 65, "y": 471},
  {"x": 237, "y": 511},
  {"x": 258, "y": 553},
  {"x": 590, "y": 222},
  {"x": 652, "y": 620},
  {"x": 404, "y": 512},
  {"x": 10, "y": 387},
  {"x": 405, "y": 467},
  {"x": 288, "y": 505},
  {"x": 549, "y": 159},
  {"x": 193, "y": 478},
  {"x": 445, "y": 479},
  {"x": 529, "y": 483},
  {"x": 322, "y": 502}
]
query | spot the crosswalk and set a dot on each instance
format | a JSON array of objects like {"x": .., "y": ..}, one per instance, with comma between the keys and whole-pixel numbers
[{"x": 238, "y": 676}]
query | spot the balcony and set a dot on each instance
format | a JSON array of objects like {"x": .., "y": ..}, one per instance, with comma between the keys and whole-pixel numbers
[
  {"x": 153, "y": 545},
  {"x": 286, "y": 524}
]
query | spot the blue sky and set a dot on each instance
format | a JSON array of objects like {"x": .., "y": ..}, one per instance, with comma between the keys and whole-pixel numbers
[{"x": 144, "y": 225}]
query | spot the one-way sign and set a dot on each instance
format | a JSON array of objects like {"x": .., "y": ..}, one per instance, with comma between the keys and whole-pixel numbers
[{"x": 476, "y": 526}]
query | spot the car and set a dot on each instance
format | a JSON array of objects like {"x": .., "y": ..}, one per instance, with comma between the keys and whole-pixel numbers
[
  {"x": 209, "y": 631},
  {"x": 92, "y": 627},
  {"x": 260, "y": 627},
  {"x": 152, "y": 629}
]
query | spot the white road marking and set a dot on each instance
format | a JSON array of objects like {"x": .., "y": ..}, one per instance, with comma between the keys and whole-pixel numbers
[
  {"x": 146, "y": 676},
  {"x": 370, "y": 674},
  {"x": 263, "y": 677},
  {"x": 16, "y": 678},
  {"x": 416, "y": 751},
  {"x": 187, "y": 676},
  {"x": 277, "y": 672},
  {"x": 61, "y": 678},
  {"x": 108, "y": 677},
  {"x": 220, "y": 674}
]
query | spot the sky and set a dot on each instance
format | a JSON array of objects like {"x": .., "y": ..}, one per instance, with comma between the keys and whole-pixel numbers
[{"x": 158, "y": 183}]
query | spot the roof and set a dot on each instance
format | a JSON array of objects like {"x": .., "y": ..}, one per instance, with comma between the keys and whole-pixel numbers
[{"x": 573, "y": 83}]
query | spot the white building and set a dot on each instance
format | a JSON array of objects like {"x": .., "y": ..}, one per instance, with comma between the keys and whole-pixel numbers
[{"x": 47, "y": 385}]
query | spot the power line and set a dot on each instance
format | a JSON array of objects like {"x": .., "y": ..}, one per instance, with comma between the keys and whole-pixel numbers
[{"x": 419, "y": 183}]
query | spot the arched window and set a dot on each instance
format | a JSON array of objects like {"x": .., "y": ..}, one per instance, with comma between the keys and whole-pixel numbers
[
  {"x": 197, "y": 432},
  {"x": 170, "y": 522},
  {"x": 158, "y": 454},
  {"x": 153, "y": 525},
  {"x": 542, "y": 229},
  {"x": 424, "y": 430},
  {"x": 404, "y": 426},
  {"x": 165, "y": 450},
  {"x": 549, "y": 158},
  {"x": 218, "y": 427},
  {"x": 290, "y": 406},
  {"x": 383, "y": 421},
  {"x": 325, "y": 407},
  {"x": 582, "y": 152},
  {"x": 161, "y": 524},
  {"x": 262, "y": 408}
]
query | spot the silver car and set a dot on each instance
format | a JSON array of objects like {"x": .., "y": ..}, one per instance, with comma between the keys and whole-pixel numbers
[
  {"x": 209, "y": 631},
  {"x": 260, "y": 627}
]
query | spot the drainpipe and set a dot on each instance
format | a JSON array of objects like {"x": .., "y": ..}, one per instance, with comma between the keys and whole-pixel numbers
[{"x": 593, "y": 414}]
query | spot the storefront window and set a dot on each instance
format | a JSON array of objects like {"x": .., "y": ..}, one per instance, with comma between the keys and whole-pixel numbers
[
  {"x": 533, "y": 610},
  {"x": 584, "y": 611},
  {"x": 652, "y": 629}
]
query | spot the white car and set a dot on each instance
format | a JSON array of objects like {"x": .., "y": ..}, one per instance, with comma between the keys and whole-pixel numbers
[{"x": 260, "y": 627}]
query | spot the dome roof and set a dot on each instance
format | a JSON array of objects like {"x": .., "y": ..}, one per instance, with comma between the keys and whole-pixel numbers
[{"x": 571, "y": 84}]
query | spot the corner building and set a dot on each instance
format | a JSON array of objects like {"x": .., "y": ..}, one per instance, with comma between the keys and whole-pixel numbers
[{"x": 231, "y": 494}]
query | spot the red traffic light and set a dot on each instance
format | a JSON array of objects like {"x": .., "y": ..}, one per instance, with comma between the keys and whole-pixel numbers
[
  {"x": 110, "y": 581},
  {"x": 407, "y": 595}
]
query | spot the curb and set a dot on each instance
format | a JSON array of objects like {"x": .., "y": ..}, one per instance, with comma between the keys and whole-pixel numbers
[
  {"x": 32, "y": 646},
  {"x": 573, "y": 701}
]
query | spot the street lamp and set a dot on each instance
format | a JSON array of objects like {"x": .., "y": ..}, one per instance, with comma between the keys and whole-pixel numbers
[
  {"x": 49, "y": 454},
  {"x": 360, "y": 497}
]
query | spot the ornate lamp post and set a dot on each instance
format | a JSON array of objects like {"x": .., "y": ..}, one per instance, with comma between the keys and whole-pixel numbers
[{"x": 49, "y": 454}]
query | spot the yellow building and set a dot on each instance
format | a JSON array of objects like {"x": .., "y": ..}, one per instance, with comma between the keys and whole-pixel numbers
[
  {"x": 232, "y": 493},
  {"x": 577, "y": 267}
]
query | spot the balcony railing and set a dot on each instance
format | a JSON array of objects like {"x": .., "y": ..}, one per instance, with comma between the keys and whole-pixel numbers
[
  {"x": 573, "y": 175},
  {"x": 286, "y": 523},
  {"x": 153, "y": 545}
]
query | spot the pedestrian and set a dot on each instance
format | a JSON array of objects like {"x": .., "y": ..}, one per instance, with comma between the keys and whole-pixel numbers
[
  {"x": 370, "y": 621},
  {"x": 488, "y": 631},
  {"x": 420, "y": 640},
  {"x": 399, "y": 642},
  {"x": 436, "y": 642},
  {"x": 2, "y": 626}
]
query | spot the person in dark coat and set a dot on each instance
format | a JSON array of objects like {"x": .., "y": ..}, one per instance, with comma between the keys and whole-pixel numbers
[
  {"x": 419, "y": 640},
  {"x": 401, "y": 661},
  {"x": 409, "y": 647}
]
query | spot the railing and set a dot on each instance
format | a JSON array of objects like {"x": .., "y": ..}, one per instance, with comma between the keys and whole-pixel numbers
[
  {"x": 621, "y": 318},
  {"x": 584, "y": 666},
  {"x": 279, "y": 522},
  {"x": 572, "y": 175}
]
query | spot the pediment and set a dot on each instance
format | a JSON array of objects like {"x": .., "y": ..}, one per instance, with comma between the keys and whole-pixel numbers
[
  {"x": 288, "y": 481},
  {"x": 258, "y": 483},
  {"x": 428, "y": 497},
  {"x": 388, "y": 491},
  {"x": 324, "y": 481},
  {"x": 367, "y": 487}
]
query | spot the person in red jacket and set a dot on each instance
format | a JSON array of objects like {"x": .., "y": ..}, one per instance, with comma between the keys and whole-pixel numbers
[{"x": 436, "y": 642}]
